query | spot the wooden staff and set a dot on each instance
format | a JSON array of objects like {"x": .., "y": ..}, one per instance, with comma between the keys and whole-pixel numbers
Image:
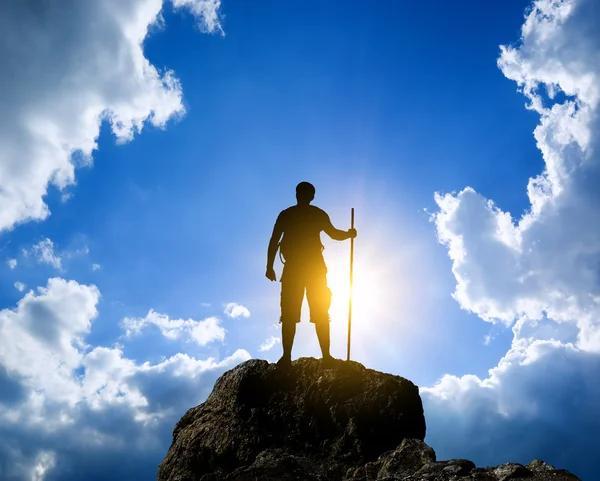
[{"x": 351, "y": 275}]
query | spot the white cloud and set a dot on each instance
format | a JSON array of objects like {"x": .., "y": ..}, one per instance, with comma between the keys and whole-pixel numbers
[
  {"x": 546, "y": 262},
  {"x": 95, "y": 267},
  {"x": 44, "y": 253},
  {"x": 206, "y": 11},
  {"x": 202, "y": 332},
  {"x": 236, "y": 310},
  {"x": 69, "y": 66},
  {"x": 45, "y": 461},
  {"x": 539, "y": 393},
  {"x": 12, "y": 263},
  {"x": 20, "y": 286},
  {"x": 184, "y": 365},
  {"x": 538, "y": 273},
  {"x": 36, "y": 338},
  {"x": 70, "y": 409},
  {"x": 269, "y": 343}
]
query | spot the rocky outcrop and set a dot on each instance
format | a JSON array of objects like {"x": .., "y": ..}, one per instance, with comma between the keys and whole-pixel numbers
[
  {"x": 413, "y": 460},
  {"x": 262, "y": 422}
]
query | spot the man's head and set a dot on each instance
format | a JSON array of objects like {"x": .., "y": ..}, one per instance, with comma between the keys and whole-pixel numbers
[{"x": 305, "y": 193}]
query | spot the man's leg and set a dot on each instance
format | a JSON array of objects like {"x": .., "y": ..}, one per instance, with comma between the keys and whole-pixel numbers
[
  {"x": 292, "y": 294},
  {"x": 323, "y": 335},
  {"x": 288, "y": 331},
  {"x": 319, "y": 300}
]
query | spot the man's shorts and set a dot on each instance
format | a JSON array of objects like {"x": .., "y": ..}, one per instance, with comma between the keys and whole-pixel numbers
[{"x": 293, "y": 284}]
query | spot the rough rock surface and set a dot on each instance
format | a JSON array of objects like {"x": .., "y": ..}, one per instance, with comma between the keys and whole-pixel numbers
[{"x": 348, "y": 423}]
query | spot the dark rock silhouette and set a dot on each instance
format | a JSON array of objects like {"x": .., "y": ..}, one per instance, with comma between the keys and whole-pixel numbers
[{"x": 348, "y": 423}]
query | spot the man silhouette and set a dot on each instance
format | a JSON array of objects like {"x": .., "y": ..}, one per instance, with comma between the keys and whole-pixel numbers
[{"x": 304, "y": 268}]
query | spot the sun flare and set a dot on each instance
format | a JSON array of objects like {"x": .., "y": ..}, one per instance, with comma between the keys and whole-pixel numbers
[{"x": 370, "y": 295}]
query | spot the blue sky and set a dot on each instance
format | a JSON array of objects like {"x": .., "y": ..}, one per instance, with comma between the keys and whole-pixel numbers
[{"x": 142, "y": 176}]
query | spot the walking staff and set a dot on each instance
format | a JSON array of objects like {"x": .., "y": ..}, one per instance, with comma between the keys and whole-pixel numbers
[{"x": 351, "y": 277}]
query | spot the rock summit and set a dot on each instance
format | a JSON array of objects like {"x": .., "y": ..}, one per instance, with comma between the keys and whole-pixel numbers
[{"x": 349, "y": 423}]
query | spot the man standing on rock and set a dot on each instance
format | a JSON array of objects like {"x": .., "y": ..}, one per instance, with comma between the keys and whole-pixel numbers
[{"x": 304, "y": 268}]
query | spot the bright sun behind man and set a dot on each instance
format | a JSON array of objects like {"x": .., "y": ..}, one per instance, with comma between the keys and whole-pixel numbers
[{"x": 369, "y": 295}]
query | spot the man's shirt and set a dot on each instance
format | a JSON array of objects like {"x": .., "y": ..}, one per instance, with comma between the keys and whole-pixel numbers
[{"x": 301, "y": 242}]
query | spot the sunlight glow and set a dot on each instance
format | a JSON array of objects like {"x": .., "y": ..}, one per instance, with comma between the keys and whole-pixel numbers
[{"x": 375, "y": 297}]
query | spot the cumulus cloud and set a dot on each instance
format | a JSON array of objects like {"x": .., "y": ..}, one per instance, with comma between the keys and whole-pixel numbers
[
  {"x": 202, "y": 332},
  {"x": 20, "y": 286},
  {"x": 43, "y": 251},
  {"x": 541, "y": 401},
  {"x": 95, "y": 267},
  {"x": 539, "y": 272},
  {"x": 546, "y": 262},
  {"x": 73, "y": 411},
  {"x": 269, "y": 343},
  {"x": 67, "y": 67},
  {"x": 12, "y": 263},
  {"x": 68, "y": 410},
  {"x": 234, "y": 310},
  {"x": 39, "y": 338}
]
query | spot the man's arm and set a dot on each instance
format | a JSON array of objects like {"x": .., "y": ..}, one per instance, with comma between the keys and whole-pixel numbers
[
  {"x": 273, "y": 246},
  {"x": 337, "y": 234}
]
